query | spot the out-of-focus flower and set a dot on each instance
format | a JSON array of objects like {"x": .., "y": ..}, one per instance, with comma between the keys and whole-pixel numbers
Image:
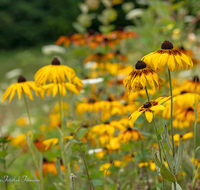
[
  {"x": 140, "y": 77},
  {"x": 54, "y": 88},
  {"x": 134, "y": 13},
  {"x": 22, "y": 121},
  {"x": 192, "y": 86},
  {"x": 174, "y": 58},
  {"x": 153, "y": 105},
  {"x": 76, "y": 39},
  {"x": 23, "y": 86},
  {"x": 50, "y": 49},
  {"x": 183, "y": 137},
  {"x": 130, "y": 133},
  {"x": 54, "y": 73},
  {"x": 106, "y": 166},
  {"x": 49, "y": 167}
]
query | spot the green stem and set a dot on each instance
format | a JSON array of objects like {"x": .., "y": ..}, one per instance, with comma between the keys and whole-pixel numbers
[
  {"x": 6, "y": 184},
  {"x": 195, "y": 130},
  {"x": 32, "y": 152},
  {"x": 87, "y": 173},
  {"x": 171, "y": 118},
  {"x": 171, "y": 122},
  {"x": 29, "y": 118},
  {"x": 158, "y": 137},
  {"x": 147, "y": 93},
  {"x": 60, "y": 108}
]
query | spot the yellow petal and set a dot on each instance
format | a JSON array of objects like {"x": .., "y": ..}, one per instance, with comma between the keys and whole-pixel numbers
[
  {"x": 7, "y": 92},
  {"x": 149, "y": 116},
  {"x": 135, "y": 115},
  {"x": 157, "y": 108}
]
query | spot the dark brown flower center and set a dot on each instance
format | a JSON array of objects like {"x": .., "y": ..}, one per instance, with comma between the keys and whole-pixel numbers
[
  {"x": 21, "y": 79},
  {"x": 107, "y": 122},
  {"x": 196, "y": 78},
  {"x": 167, "y": 45},
  {"x": 55, "y": 62},
  {"x": 183, "y": 92},
  {"x": 190, "y": 109},
  {"x": 147, "y": 105},
  {"x": 129, "y": 129},
  {"x": 140, "y": 65},
  {"x": 91, "y": 100}
]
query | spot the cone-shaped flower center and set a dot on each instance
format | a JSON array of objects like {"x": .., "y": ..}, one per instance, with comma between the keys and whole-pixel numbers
[
  {"x": 21, "y": 79},
  {"x": 147, "y": 105},
  {"x": 196, "y": 78},
  {"x": 55, "y": 62},
  {"x": 140, "y": 65},
  {"x": 129, "y": 129},
  {"x": 91, "y": 100},
  {"x": 167, "y": 45},
  {"x": 107, "y": 122},
  {"x": 190, "y": 109},
  {"x": 183, "y": 92}
]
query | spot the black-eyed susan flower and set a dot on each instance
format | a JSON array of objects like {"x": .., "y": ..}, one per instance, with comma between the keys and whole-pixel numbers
[
  {"x": 54, "y": 88},
  {"x": 189, "y": 86},
  {"x": 147, "y": 108},
  {"x": 183, "y": 137},
  {"x": 55, "y": 72},
  {"x": 49, "y": 167},
  {"x": 174, "y": 58},
  {"x": 23, "y": 86},
  {"x": 128, "y": 134},
  {"x": 140, "y": 77}
]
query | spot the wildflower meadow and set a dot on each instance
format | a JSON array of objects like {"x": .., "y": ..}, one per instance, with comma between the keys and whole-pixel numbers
[{"x": 112, "y": 105}]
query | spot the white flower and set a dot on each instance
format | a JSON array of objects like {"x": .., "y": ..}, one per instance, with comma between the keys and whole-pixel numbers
[
  {"x": 92, "y": 81},
  {"x": 134, "y": 13},
  {"x": 50, "y": 49}
]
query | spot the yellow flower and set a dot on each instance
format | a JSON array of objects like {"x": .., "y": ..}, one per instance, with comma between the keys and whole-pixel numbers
[
  {"x": 174, "y": 58},
  {"x": 140, "y": 77},
  {"x": 183, "y": 137},
  {"x": 143, "y": 164},
  {"x": 23, "y": 86},
  {"x": 188, "y": 86},
  {"x": 49, "y": 142},
  {"x": 126, "y": 135},
  {"x": 153, "y": 105},
  {"x": 22, "y": 121},
  {"x": 53, "y": 88},
  {"x": 54, "y": 73},
  {"x": 19, "y": 141}
]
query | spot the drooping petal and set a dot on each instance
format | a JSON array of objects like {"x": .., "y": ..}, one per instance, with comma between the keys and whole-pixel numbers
[
  {"x": 157, "y": 108},
  {"x": 135, "y": 115},
  {"x": 7, "y": 92},
  {"x": 149, "y": 115}
]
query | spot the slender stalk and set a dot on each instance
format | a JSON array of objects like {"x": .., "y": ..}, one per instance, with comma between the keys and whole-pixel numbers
[
  {"x": 195, "y": 131},
  {"x": 158, "y": 137},
  {"x": 171, "y": 118},
  {"x": 4, "y": 160},
  {"x": 106, "y": 174},
  {"x": 32, "y": 152},
  {"x": 60, "y": 109},
  {"x": 29, "y": 118},
  {"x": 171, "y": 122},
  {"x": 147, "y": 93},
  {"x": 86, "y": 168},
  {"x": 73, "y": 184}
]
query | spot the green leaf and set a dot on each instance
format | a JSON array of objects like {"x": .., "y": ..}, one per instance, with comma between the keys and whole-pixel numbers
[
  {"x": 197, "y": 148},
  {"x": 4, "y": 140},
  {"x": 97, "y": 182},
  {"x": 57, "y": 164},
  {"x": 70, "y": 129},
  {"x": 96, "y": 173},
  {"x": 3, "y": 153},
  {"x": 178, "y": 157},
  {"x": 166, "y": 174},
  {"x": 79, "y": 28},
  {"x": 81, "y": 133},
  {"x": 167, "y": 139},
  {"x": 59, "y": 186},
  {"x": 178, "y": 187},
  {"x": 155, "y": 157}
]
